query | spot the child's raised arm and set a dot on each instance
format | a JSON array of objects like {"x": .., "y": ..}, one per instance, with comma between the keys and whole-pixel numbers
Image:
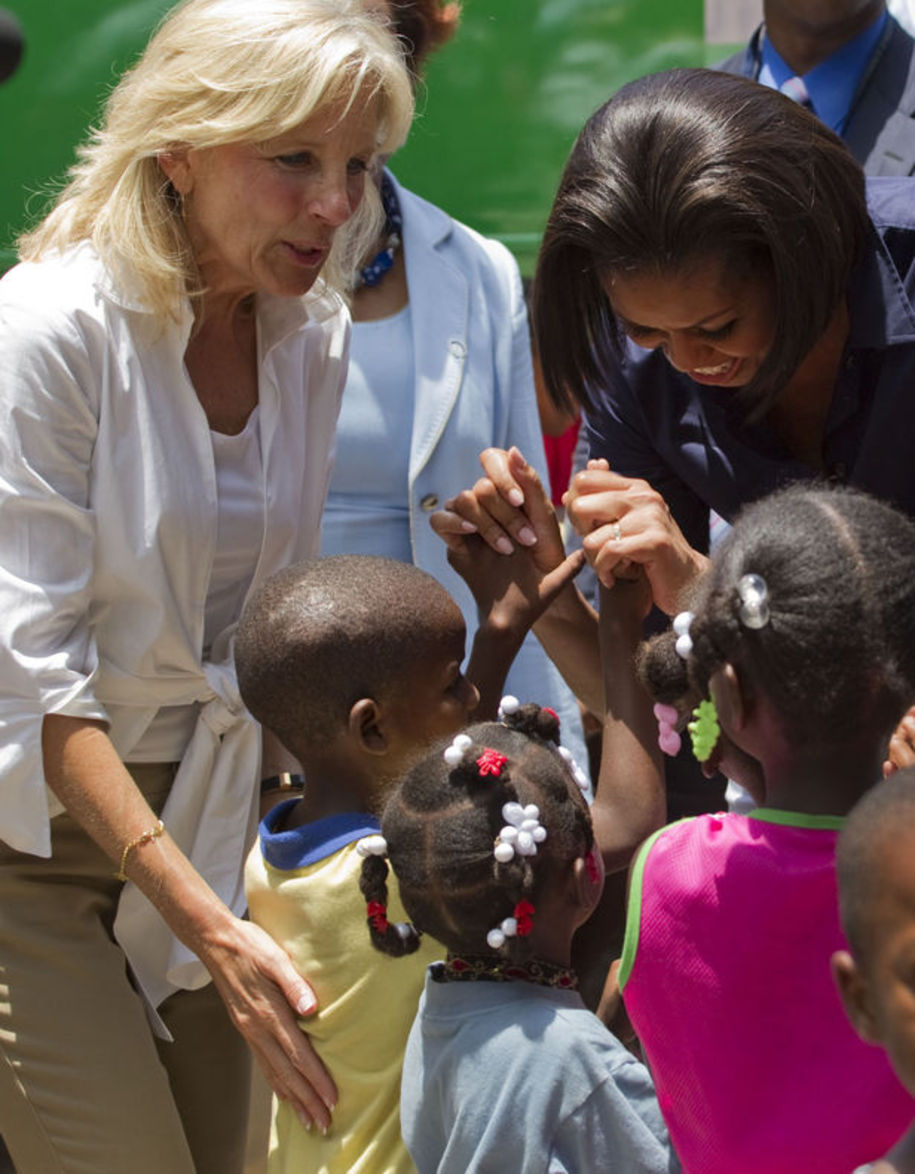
[
  {"x": 630, "y": 802},
  {"x": 477, "y": 521},
  {"x": 510, "y": 594}
]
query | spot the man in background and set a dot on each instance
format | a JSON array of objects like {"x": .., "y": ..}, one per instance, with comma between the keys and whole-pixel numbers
[{"x": 851, "y": 63}]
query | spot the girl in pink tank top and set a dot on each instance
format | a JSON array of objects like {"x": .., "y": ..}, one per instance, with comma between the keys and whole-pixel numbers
[{"x": 802, "y": 634}]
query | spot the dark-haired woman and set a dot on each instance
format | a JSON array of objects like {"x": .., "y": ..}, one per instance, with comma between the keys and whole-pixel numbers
[{"x": 729, "y": 299}]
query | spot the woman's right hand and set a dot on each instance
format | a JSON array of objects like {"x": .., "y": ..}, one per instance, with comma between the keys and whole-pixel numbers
[
  {"x": 261, "y": 988},
  {"x": 623, "y": 521},
  {"x": 265, "y": 995}
]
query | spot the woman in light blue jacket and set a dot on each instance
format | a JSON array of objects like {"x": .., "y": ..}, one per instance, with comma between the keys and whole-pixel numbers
[{"x": 440, "y": 369}]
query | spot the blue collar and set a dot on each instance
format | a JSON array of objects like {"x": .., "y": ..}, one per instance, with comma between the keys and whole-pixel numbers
[
  {"x": 832, "y": 85},
  {"x": 301, "y": 846}
]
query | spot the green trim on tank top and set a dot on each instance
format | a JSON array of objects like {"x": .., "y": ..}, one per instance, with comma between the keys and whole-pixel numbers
[
  {"x": 634, "y": 902},
  {"x": 797, "y": 819}
]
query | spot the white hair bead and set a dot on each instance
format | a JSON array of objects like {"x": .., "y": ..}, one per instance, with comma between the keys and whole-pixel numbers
[
  {"x": 508, "y": 928},
  {"x": 508, "y": 705},
  {"x": 521, "y": 834},
  {"x": 682, "y": 622},
  {"x": 454, "y": 754},
  {"x": 503, "y": 852},
  {"x": 684, "y": 645},
  {"x": 372, "y": 846}
]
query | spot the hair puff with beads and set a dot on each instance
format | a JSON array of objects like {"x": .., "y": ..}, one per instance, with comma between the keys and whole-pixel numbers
[{"x": 442, "y": 823}]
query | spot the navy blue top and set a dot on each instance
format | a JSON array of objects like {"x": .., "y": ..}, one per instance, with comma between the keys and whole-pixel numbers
[{"x": 654, "y": 422}]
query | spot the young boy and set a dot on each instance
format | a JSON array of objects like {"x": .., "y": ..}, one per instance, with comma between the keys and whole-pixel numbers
[
  {"x": 354, "y": 663},
  {"x": 875, "y": 859}
]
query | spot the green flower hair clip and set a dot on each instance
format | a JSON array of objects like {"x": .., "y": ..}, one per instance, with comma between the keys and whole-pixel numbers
[{"x": 704, "y": 729}]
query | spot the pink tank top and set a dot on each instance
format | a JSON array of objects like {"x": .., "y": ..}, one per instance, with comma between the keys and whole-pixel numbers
[{"x": 725, "y": 976}]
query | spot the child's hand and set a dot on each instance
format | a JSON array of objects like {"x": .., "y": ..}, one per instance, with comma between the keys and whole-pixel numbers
[
  {"x": 902, "y": 745},
  {"x": 630, "y": 595},
  {"x": 511, "y": 592}
]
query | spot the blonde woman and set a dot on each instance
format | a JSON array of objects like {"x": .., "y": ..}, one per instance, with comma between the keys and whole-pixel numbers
[{"x": 172, "y": 351}]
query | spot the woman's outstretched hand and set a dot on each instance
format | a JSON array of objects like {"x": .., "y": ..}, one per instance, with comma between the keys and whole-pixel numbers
[
  {"x": 508, "y": 507},
  {"x": 623, "y": 521}
]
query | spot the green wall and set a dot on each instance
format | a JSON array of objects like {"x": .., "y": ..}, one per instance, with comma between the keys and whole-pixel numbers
[{"x": 498, "y": 114}]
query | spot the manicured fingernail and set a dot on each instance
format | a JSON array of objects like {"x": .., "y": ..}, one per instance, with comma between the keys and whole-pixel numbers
[
  {"x": 526, "y": 536},
  {"x": 468, "y": 527},
  {"x": 304, "y": 1118},
  {"x": 504, "y": 546},
  {"x": 516, "y": 497},
  {"x": 305, "y": 1005}
]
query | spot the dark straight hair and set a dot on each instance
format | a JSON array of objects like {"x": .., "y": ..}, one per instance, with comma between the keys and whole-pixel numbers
[{"x": 684, "y": 166}]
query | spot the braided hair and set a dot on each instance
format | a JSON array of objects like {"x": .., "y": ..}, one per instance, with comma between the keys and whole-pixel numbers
[
  {"x": 443, "y": 821},
  {"x": 837, "y": 649}
]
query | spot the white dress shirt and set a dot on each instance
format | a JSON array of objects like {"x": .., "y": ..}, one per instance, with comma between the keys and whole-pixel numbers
[{"x": 108, "y": 523}]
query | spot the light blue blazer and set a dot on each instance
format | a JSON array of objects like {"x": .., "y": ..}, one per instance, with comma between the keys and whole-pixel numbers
[{"x": 473, "y": 387}]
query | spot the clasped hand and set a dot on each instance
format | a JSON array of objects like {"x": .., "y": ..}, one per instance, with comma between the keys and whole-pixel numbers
[{"x": 624, "y": 524}]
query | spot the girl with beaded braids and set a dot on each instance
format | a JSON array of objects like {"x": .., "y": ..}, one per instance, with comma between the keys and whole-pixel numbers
[
  {"x": 491, "y": 842},
  {"x": 800, "y": 646}
]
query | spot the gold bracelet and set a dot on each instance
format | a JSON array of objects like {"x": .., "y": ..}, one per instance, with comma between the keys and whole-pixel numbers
[{"x": 153, "y": 834}]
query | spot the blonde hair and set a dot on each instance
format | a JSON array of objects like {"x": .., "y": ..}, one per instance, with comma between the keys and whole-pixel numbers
[{"x": 216, "y": 72}]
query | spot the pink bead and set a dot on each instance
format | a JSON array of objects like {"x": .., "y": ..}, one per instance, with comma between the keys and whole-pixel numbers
[
  {"x": 666, "y": 713},
  {"x": 669, "y": 741}
]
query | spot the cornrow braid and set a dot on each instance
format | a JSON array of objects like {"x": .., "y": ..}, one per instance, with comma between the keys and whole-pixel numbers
[
  {"x": 394, "y": 938},
  {"x": 443, "y": 821}
]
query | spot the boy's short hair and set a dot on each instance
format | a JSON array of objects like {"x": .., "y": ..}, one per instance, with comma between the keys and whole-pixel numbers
[
  {"x": 321, "y": 634},
  {"x": 878, "y": 816}
]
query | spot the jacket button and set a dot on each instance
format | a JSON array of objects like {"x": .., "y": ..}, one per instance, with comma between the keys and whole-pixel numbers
[{"x": 429, "y": 503}]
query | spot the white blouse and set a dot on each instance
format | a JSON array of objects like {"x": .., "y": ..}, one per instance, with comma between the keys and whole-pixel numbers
[{"x": 108, "y": 527}]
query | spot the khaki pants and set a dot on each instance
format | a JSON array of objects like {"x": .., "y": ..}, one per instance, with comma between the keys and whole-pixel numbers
[{"x": 85, "y": 1087}]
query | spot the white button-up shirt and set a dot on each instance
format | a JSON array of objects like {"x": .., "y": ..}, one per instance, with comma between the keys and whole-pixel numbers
[{"x": 108, "y": 521}]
